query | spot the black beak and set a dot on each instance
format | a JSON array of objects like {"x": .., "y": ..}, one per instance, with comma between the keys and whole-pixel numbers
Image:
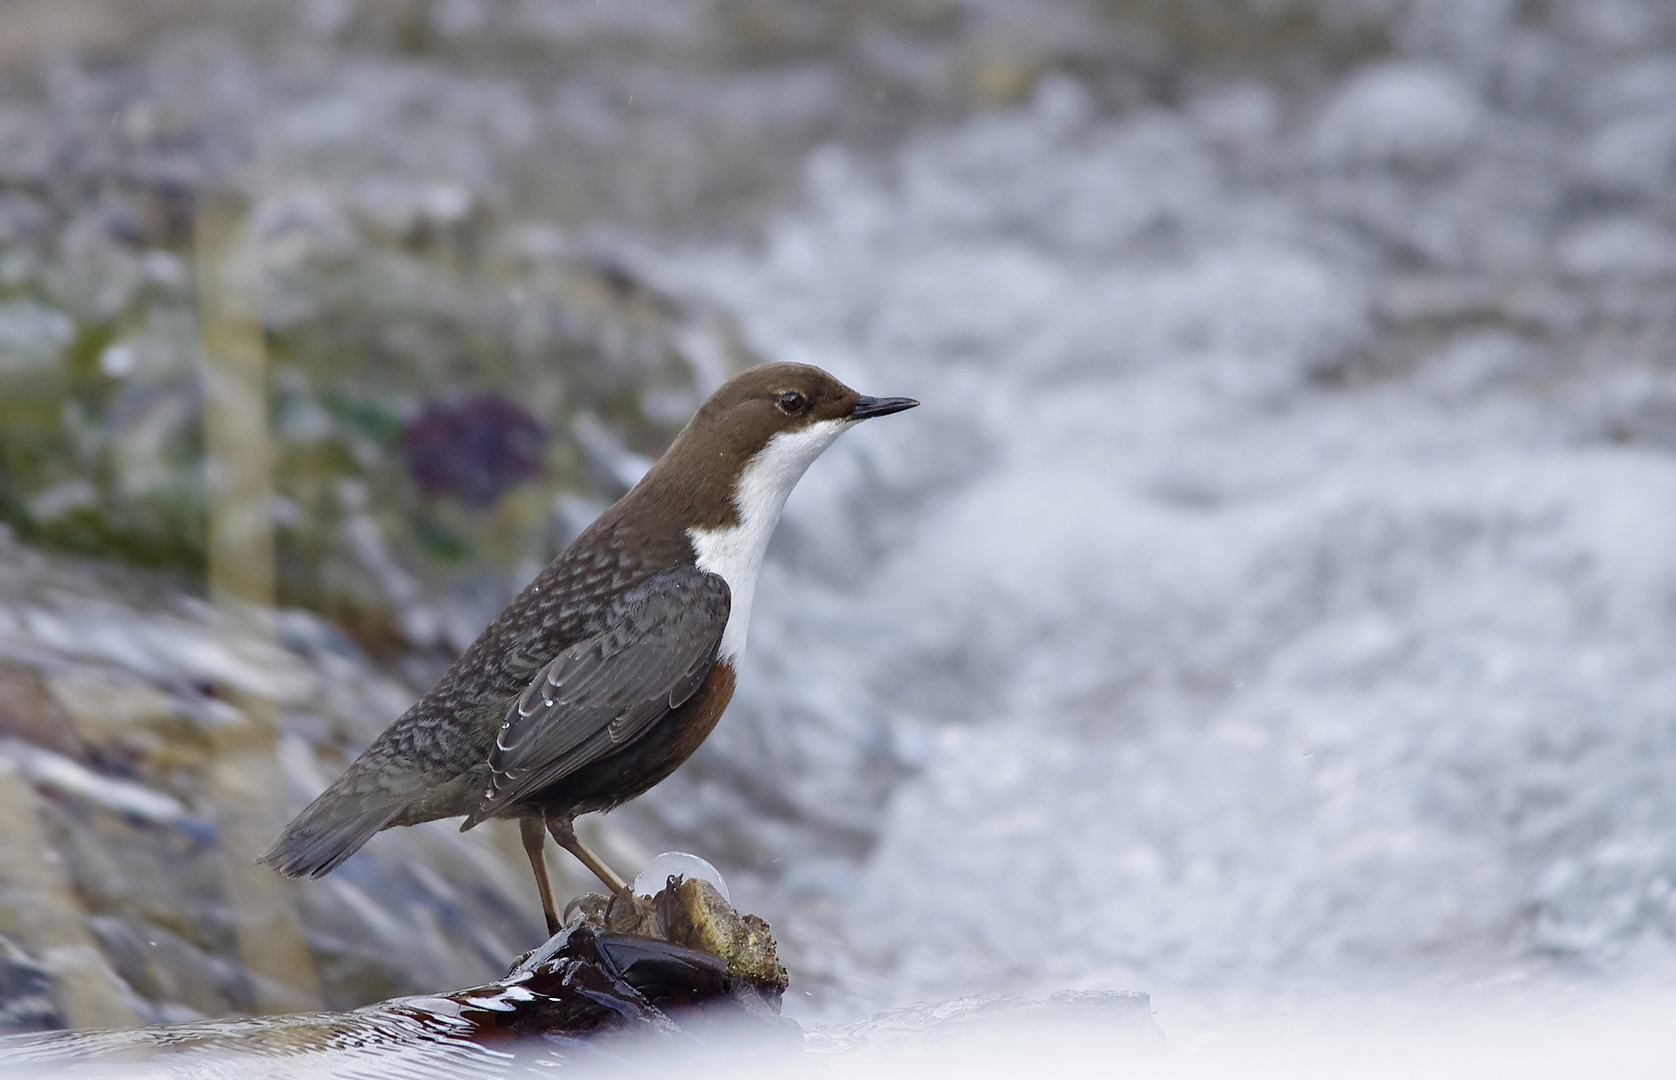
[{"x": 880, "y": 406}]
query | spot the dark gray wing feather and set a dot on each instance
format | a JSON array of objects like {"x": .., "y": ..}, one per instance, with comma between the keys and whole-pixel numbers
[{"x": 604, "y": 691}]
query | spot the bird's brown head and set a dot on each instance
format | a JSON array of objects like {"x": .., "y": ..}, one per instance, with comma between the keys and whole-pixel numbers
[
  {"x": 750, "y": 409},
  {"x": 775, "y": 417}
]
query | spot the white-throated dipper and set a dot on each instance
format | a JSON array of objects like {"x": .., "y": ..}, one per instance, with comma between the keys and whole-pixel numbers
[{"x": 610, "y": 668}]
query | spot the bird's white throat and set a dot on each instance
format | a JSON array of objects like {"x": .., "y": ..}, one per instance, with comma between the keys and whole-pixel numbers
[{"x": 735, "y": 553}]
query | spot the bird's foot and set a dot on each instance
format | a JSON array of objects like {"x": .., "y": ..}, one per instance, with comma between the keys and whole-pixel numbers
[{"x": 619, "y": 913}]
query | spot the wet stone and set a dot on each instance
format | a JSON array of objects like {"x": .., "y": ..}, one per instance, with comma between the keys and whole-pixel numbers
[
  {"x": 587, "y": 981},
  {"x": 131, "y": 720},
  {"x": 694, "y": 914},
  {"x": 687, "y": 912},
  {"x": 26, "y": 1002}
]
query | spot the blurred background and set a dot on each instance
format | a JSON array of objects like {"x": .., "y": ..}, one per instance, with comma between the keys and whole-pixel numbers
[{"x": 1274, "y": 596}]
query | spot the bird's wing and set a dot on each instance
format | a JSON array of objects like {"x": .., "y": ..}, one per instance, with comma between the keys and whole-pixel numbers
[{"x": 604, "y": 691}]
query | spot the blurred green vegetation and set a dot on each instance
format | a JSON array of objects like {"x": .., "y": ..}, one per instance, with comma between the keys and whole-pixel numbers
[
  {"x": 428, "y": 181},
  {"x": 101, "y": 449}
]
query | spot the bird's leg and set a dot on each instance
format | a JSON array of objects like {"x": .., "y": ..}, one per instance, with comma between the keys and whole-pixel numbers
[
  {"x": 529, "y": 830},
  {"x": 564, "y": 832}
]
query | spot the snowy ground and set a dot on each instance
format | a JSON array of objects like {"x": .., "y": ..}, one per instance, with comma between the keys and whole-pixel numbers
[{"x": 1276, "y": 593}]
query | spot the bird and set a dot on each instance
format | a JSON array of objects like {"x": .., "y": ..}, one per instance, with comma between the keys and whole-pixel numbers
[{"x": 611, "y": 667}]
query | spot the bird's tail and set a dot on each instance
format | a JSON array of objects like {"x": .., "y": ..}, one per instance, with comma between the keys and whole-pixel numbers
[{"x": 332, "y": 828}]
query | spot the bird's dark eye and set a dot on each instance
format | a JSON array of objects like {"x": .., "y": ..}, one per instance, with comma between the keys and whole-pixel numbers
[{"x": 792, "y": 402}]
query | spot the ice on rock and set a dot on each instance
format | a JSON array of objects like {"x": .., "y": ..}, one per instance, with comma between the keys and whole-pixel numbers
[{"x": 671, "y": 863}]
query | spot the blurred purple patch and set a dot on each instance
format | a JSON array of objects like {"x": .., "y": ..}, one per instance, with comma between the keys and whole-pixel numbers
[{"x": 473, "y": 449}]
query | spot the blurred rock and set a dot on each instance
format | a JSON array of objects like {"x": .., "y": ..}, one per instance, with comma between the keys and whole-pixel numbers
[
  {"x": 25, "y": 993},
  {"x": 122, "y": 703}
]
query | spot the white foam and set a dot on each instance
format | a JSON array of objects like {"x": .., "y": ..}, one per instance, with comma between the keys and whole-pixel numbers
[{"x": 1144, "y": 655}]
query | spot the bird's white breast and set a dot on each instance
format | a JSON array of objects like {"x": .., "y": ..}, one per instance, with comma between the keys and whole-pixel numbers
[{"x": 735, "y": 553}]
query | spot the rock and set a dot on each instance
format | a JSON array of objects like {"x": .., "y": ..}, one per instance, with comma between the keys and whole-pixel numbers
[
  {"x": 150, "y": 746},
  {"x": 587, "y": 981},
  {"x": 691, "y": 912}
]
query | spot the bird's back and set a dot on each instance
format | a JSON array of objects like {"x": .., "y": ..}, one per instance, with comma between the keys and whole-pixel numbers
[{"x": 433, "y": 762}]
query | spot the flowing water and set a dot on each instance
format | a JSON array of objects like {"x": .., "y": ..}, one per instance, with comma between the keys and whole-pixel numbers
[{"x": 1277, "y": 589}]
